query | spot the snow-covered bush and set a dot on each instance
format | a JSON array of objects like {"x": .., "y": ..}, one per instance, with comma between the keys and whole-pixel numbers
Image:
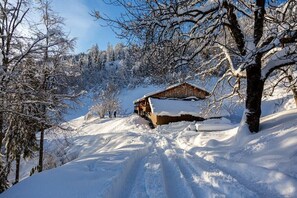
[
  {"x": 106, "y": 101},
  {"x": 99, "y": 109}
]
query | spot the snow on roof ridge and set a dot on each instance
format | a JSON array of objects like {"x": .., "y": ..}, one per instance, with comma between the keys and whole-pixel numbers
[
  {"x": 167, "y": 88},
  {"x": 178, "y": 84},
  {"x": 151, "y": 105}
]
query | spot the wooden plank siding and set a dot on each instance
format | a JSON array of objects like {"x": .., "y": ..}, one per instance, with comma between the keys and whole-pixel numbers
[
  {"x": 160, "y": 120},
  {"x": 182, "y": 91}
]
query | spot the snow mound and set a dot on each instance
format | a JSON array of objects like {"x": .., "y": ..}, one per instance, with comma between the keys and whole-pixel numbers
[{"x": 214, "y": 125}]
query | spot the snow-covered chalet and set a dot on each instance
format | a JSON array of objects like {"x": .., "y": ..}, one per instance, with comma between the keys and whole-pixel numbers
[{"x": 180, "y": 102}]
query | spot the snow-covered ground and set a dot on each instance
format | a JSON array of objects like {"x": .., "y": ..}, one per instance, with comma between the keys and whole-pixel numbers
[{"x": 123, "y": 157}]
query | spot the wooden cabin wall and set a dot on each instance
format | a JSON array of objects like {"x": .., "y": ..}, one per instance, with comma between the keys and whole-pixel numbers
[
  {"x": 159, "y": 120},
  {"x": 153, "y": 118},
  {"x": 182, "y": 91},
  {"x": 142, "y": 106}
]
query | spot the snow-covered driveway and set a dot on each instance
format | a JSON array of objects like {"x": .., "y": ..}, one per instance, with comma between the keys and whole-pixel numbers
[{"x": 124, "y": 158}]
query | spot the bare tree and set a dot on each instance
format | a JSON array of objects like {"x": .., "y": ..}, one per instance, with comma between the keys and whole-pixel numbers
[
  {"x": 56, "y": 45},
  {"x": 15, "y": 47},
  {"x": 106, "y": 101},
  {"x": 33, "y": 78},
  {"x": 254, "y": 53}
]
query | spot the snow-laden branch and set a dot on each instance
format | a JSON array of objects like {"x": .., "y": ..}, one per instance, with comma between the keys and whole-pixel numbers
[
  {"x": 278, "y": 61},
  {"x": 237, "y": 72}
]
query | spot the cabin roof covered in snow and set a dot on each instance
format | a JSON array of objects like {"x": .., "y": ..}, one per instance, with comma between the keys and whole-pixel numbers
[
  {"x": 168, "y": 88},
  {"x": 171, "y": 107}
]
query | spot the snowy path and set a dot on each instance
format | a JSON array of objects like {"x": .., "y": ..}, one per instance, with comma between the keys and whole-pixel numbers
[
  {"x": 124, "y": 158},
  {"x": 191, "y": 176}
]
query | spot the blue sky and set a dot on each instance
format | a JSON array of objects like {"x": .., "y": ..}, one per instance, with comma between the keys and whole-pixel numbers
[{"x": 83, "y": 26}]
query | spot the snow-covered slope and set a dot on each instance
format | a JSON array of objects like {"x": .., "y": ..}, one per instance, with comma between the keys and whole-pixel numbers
[
  {"x": 126, "y": 98},
  {"x": 122, "y": 157}
]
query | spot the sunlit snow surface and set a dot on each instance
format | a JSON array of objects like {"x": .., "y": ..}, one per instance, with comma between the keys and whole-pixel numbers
[{"x": 123, "y": 157}]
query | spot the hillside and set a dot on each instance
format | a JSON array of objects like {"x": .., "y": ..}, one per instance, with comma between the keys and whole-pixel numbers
[{"x": 122, "y": 157}]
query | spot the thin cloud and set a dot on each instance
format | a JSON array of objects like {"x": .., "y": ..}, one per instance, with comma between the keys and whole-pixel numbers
[{"x": 78, "y": 21}]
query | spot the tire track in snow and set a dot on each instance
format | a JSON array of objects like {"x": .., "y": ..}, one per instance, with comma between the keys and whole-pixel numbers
[
  {"x": 206, "y": 181},
  {"x": 253, "y": 184},
  {"x": 190, "y": 174},
  {"x": 149, "y": 178},
  {"x": 138, "y": 187},
  {"x": 257, "y": 178},
  {"x": 201, "y": 189},
  {"x": 175, "y": 183},
  {"x": 149, "y": 181},
  {"x": 154, "y": 179},
  {"x": 142, "y": 176},
  {"x": 218, "y": 180},
  {"x": 122, "y": 184}
]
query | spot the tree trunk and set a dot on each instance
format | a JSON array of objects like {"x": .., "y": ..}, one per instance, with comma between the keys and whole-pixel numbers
[
  {"x": 1, "y": 139},
  {"x": 8, "y": 166},
  {"x": 293, "y": 88},
  {"x": 3, "y": 179},
  {"x": 17, "y": 169},
  {"x": 1, "y": 130},
  {"x": 40, "y": 164},
  {"x": 254, "y": 97}
]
